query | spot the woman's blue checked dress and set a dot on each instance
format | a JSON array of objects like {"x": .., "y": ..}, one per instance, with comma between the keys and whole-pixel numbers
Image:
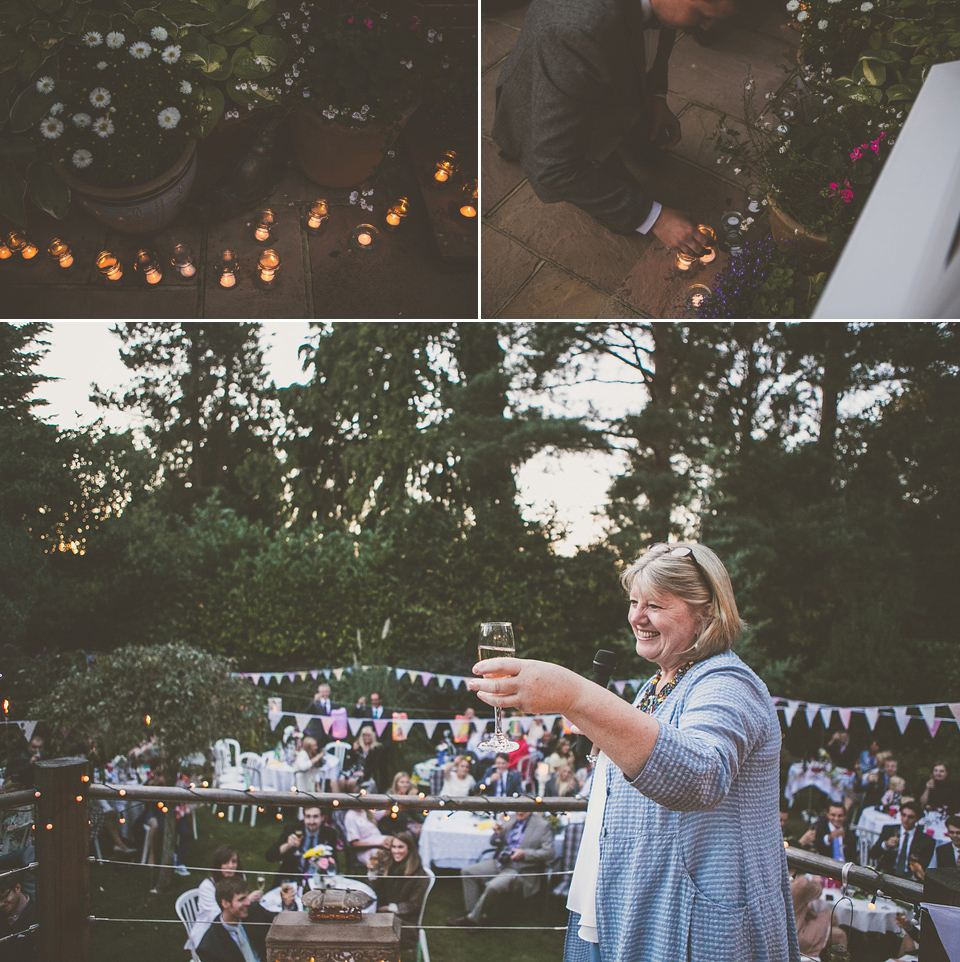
[{"x": 692, "y": 863}]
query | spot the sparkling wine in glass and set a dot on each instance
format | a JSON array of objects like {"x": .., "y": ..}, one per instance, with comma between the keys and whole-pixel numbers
[{"x": 496, "y": 641}]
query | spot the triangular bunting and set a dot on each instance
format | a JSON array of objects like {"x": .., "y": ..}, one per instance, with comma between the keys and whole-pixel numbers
[
  {"x": 946, "y": 922},
  {"x": 326, "y": 673},
  {"x": 442, "y": 680},
  {"x": 844, "y": 714},
  {"x": 929, "y": 713},
  {"x": 355, "y": 724},
  {"x": 458, "y": 682},
  {"x": 302, "y": 675},
  {"x": 826, "y": 713},
  {"x": 273, "y": 717},
  {"x": 338, "y": 673},
  {"x": 430, "y": 726},
  {"x": 302, "y": 721},
  {"x": 790, "y": 711},
  {"x": 399, "y": 672},
  {"x": 954, "y": 707},
  {"x": 872, "y": 715},
  {"x": 256, "y": 676},
  {"x": 619, "y": 687},
  {"x": 379, "y": 725},
  {"x": 413, "y": 675},
  {"x": 811, "y": 712},
  {"x": 425, "y": 677},
  {"x": 291, "y": 675},
  {"x": 326, "y": 721},
  {"x": 405, "y": 725},
  {"x": 314, "y": 674},
  {"x": 903, "y": 719},
  {"x": 934, "y": 726}
]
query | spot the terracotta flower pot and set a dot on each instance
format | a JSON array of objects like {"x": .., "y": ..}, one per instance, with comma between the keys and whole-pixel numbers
[
  {"x": 336, "y": 156},
  {"x": 789, "y": 234},
  {"x": 142, "y": 208}
]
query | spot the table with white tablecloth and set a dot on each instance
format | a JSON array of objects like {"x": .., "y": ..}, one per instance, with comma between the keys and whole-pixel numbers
[
  {"x": 278, "y": 776},
  {"x": 272, "y": 902},
  {"x": 856, "y": 912},
  {"x": 833, "y": 782}
]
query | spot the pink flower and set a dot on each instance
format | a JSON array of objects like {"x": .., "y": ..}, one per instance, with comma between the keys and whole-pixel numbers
[
  {"x": 846, "y": 193},
  {"x": 855, "y": 155},
  {"x": 846, "y": 196},
  {"x": 368, "y": 24}
]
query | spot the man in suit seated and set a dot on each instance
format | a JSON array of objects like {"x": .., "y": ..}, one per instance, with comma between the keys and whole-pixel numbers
[
  {"x": 499, "y": 779},
  {"x": 948, "y": 854},
  {"x": 581, "y": 83},
  {"x": 227, "y": 939},
  {"x": 524, "y": 850},
  {"x": 831, "y": 837},
  {"x": 901, "y": 846},
  {"x": 313, "y": 830}
]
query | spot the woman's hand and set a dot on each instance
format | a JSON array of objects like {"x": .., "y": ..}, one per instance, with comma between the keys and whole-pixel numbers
[
  {"x": 257, "y": 894},
  {"x": 534, "y": 686}
]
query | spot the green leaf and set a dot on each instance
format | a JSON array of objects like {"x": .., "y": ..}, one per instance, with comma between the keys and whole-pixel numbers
[
  {"x": 212, "y": 97},
  {"x": 10, "y": 50},
  {"x": 875, "y": 73},
  {"x": 12, "y": 189},
  {"x": 900, "y": 92},
  {"x": 235, "y": 36},
  {"x": 17, "y": 146},
  {"x": 30, "y": 62},
  {"x": 30, "y": 108},
  {"x": 882, "y": 56},
  {"x": 47, "y": 190},
  {"x": 217, "y": 65},
  {"x": 185, "y": 13}
]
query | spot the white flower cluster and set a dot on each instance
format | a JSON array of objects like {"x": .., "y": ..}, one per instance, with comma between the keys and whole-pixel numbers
[
  {"x": 330, "y": 112},
  {"x": 171, "y": 54},
  {"x": 140, "y": 50},
  {"x": 822, "y": 25},
  {"x": 361, "y": 114},
  {"x": 45, "y": 85},
  {"x": 362, "y": 196},
  {"x": 802, "y": 15},
  {"x": 103, "y": 126},
  {"x": 92, "y": 39},
  {"x": 100, "y": 97},
  {"x": 115, "y": 39},
  {"x": 82, "y": 158},
  {"x": 793, "y": 5},
  {"x": 51, "y": 128},
  {"x": 407, "y": 63},
  {"x": 158, "y": 33},
  {"x": 168, "y": 118}
]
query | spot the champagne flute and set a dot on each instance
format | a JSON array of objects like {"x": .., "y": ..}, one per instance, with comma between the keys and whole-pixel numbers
[{"x": 496, "y": 641}]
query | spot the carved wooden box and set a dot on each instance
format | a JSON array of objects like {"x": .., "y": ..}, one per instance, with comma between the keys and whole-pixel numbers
[{"x": 371, "y": 938}]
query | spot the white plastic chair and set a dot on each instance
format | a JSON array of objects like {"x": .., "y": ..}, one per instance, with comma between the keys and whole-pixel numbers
[
  {"x": 227, "y": 770},
  {"x": 423, "y": 952},
  {"x": 252, "y": 765},
  {"x": 186, "y": 906},
  {"x": 339, "y": 751}
]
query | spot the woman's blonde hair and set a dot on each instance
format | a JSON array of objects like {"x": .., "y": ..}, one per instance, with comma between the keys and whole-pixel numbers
[
  {"x": 394, "y": 790},
  {"x": 694, "y": 574}
]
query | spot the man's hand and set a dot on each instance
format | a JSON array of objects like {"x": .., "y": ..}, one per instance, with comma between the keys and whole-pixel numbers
[
  {"x": 516, "y": 856},
  {"x": 678, "y": 232},
  {"x": 664, "y": 126},
  {"x": 836, "y": 833},
  {"x": 293, "y": 841}
]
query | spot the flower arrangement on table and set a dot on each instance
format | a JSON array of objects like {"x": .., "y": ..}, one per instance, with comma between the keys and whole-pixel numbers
[
  {"x": 320, "y": 860},
  {"x": 363, "y": 67}
]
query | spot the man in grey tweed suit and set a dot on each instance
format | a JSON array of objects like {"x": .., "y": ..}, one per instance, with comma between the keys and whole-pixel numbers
[{"x": 577, "y": 85}]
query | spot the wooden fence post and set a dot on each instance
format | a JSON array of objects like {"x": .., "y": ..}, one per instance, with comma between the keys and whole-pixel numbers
[{"x": 62, "y": 843}]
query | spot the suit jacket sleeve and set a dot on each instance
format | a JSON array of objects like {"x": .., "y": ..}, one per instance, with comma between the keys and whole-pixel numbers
[
  {"x": 878, "y": 849},
  {"x": 217, "y": 946},
  {"x": 537, "y": 844},
  {"x": 569, "y": 86},
  {"x": 273, "y": 853}
]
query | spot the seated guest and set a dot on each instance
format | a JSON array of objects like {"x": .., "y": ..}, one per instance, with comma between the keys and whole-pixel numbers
[
  {"x": 525, "y": 849},
  {"x": 940, "y": 793},
  {"x": 948, "y": 854},
  {"x": 306, "y": 763},
  {"x": 17, "y": 913},
  {"x": 226, "y": 938},
  {"x": 365, "y": 763},
  {"x": 562, "y": 754},
  {"x": 398, "y": 878},
  {"x": 406, "y": 820},
  {"x": 867, "y": 761},
  {"x": 815, "y": 929},
  {"x": 900, "y": 846},
  {"x": 840, "y": 750},
  {"x": 562, "y": 783},
  {"x": 499, "y": 780},
  {"x": 894, "y": 794},
  {"x": 457, "y": 780},
  {"x": 226, "y": 864},
  {"x": 831, "y": 838},
  {"x": 875, "y": 784},
  {"x": 314, "y": 829},
  {"x": 363, "y": 835}
]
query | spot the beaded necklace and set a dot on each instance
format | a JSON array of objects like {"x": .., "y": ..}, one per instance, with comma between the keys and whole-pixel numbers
[{"x": 650, "y": 700}]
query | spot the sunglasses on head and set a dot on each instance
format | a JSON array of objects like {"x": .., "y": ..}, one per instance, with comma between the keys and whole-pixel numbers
[{"x": 685, "y": 551}]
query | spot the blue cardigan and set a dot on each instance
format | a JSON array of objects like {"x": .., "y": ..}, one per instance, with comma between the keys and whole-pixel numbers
[{"x": 692, "y": 863}]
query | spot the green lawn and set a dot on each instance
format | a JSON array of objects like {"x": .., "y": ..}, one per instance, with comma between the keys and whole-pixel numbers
[{"x": 122, "y": 891}]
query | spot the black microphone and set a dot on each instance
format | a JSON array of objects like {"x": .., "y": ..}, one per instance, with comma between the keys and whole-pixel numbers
[{"x": 604, "y": 663}]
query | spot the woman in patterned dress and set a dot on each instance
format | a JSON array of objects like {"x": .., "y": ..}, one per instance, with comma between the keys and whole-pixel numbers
[{"x": 682, "y": 856}]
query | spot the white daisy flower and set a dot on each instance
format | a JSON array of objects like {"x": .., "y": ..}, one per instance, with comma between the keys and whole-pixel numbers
[
  {"x": 81, "y": 120},
  {"x": 103, "y": 126},
  {"x": 100, "y": 97},
  {"x": 158, "y": 33},
  {"x": 801, "y": 16},
  {"x": 793, "y": 5},
  {"x": 45, "y": 85},
  {"x": 82, "y": 158},
  {"x": 51, "y": 128},
  {"x": 782, "y": 129},
  {"x": 115, "y": 39},
  {"x": 186, "y": 87},
  {"x": 168, "y": 118},
  {"x": 56, "y": 110},
  {"x": 866, "y": 7},
  {"x": 822, "y": 24},
  {"x": 353, "y": 196},
  {"x": 92, "y": 39},
  {"x": 329, "y": 114},
  {"x": 140, "y": 50},
  {"x": 102, "y": 65},
  {"x": 171, "y": 54}
]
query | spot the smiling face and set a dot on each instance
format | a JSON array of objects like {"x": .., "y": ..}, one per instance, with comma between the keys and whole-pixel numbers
[
  {"x": 399, "y": 850},
  {"x": 403, "y": 784},
  {"x": 237, "y": 909},
  {"x": 463, "y": 768},
  {"x": 836, "y": 815},
  {"x": 939, "y": 772},
  {"x": 230, "y": 866},
  {"x": 311, "y": 819},
  {"x": 665, "y": 627}
]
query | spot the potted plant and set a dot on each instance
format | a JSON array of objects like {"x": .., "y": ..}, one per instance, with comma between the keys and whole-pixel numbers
[{"x": 356, "y": 75}]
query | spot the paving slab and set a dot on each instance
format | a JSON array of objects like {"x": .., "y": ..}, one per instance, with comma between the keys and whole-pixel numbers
[
  {"x": 714, "y": 76},
  {"x": 696, "y": 145},
  {"x": 566, "y": 235},
  {"x": 488, "y": 98},
  {"x": 499, "y": 176},
  {"x": 506, "y": 268},
  {"x": 554, "y": 293},
  {"x": 615, "y": 309},
  {"x": 510, "y": 12},
  {"x": 496, "y": 41}
]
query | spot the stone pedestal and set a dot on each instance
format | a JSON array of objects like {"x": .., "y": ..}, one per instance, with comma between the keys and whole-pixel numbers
[{"x": 371, "y": 938}]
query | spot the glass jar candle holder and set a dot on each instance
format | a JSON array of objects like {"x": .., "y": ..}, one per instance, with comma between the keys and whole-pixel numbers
[
  {"x": 266, "y": 222},
  {"x": 445, "y": 168},
  {"x": 468, "y": 200},
  {"x": 685, "y": 261},
  {"x": 697, "y": 296},
  {"x": 16, "y": 240},
  {"x": 29, "y": 250},
  {"x": 317, "y": 216},
  {"x": 755, "y": 198},
  {"x": 109, "y": 265},
  {"x": 710, "y": 253},
  {"x": 227, "y": 268},
  {"x": 267, "y": 267},
  {"x": 148, "y": 265},
  {"x": 396, "y": 212},
  {"x": 365, "y": 238},
  {"x": 5, "y": 252},
  {"x": 60, "y": 251},
  {"x": 183, "y": 261}
]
